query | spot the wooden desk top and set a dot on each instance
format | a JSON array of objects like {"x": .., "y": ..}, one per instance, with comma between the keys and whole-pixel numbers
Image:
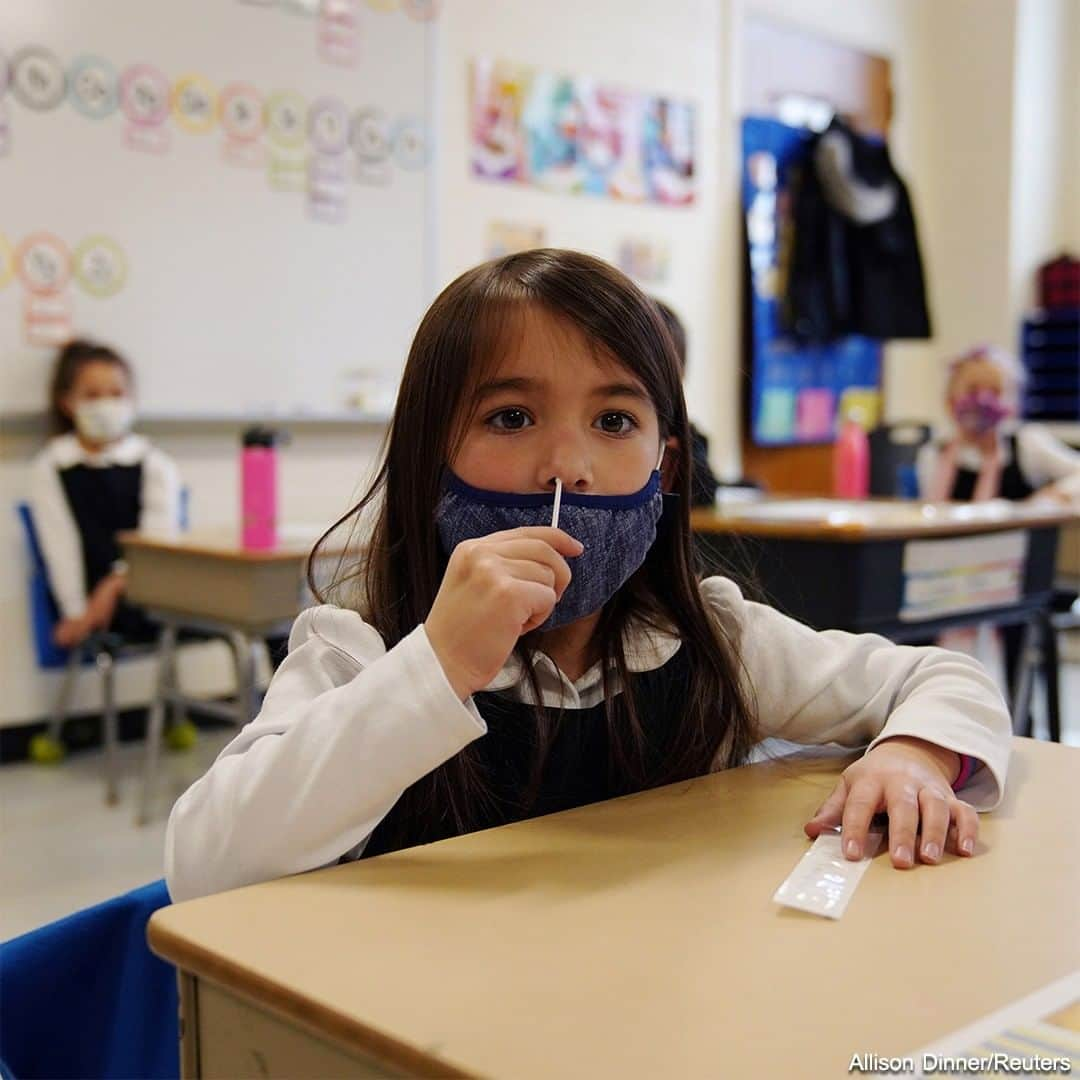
[
  {"x": 294, "y": 544},
  {"x": 638, "y": 938},
  {"x": 874, "y": 519}
]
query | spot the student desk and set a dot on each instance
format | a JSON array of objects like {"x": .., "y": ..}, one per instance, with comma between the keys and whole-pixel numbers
[
  {"x": 208, "y": 581},
  {"x": 632, "y": 938},
  {"x": 854, "y": 565}
]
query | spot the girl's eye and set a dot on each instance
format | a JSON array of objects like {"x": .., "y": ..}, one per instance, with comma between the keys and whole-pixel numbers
[
  {"x": 509, "y": 420},
  {"x": 616, "y": 423}
]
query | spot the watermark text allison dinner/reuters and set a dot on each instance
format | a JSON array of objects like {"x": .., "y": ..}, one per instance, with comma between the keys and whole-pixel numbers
[{"x": 944, "y": 1065}]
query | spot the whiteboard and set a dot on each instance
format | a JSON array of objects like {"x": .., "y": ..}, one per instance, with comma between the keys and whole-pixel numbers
[{"x": 235, "y": 193}]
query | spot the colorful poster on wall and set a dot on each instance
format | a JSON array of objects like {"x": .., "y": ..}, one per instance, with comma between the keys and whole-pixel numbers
[
  {"x": 571, "y": 135},
  {"x": 797, "y": 392}
]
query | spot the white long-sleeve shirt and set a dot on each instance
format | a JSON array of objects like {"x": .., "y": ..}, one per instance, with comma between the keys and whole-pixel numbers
[
  {"x": 58, "y": 532},
  {"x": 1042, "y": 458},
  {"x": 347, "y": 726}
]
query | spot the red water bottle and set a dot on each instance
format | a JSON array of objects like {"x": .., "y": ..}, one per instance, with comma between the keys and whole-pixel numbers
[
  {"x": 258, "y": 489},
  {"x": 851, "y": 459}
]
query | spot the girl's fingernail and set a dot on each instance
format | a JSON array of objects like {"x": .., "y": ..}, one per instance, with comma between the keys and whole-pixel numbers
[
  {"x": 852, "y": 849},
  {"x": 931, "y": 851},
  {"x": 903, "y": 855},
  {"x": 967, "y": 846}
]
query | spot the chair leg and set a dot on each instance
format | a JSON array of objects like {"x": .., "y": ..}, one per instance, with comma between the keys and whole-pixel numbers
[
  {"x": 1021, "y": 702},
  {"x": 63, "y": 698},
  {"x": 106, "y": 667},
  {"x": 155, "y": 725},
  {"x": 1050, "y": 661}
]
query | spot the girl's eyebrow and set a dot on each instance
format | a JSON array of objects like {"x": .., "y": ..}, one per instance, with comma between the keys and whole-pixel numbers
[
  {"x": 523, "y": 384},
  {"x": 620, "y": 390},
  {"x": 498, "y": 386}
]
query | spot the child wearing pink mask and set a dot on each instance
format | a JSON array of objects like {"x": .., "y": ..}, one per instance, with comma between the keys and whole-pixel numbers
[{"x": 990, "y": 455}]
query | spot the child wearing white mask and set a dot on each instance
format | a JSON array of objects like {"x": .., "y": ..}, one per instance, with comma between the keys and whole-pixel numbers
[{"x": 93, "y": 480}]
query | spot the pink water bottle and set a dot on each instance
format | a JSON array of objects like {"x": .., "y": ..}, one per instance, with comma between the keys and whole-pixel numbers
[
  {"x": 851, "y": 460},
  {"x": 258, "y": 489}
]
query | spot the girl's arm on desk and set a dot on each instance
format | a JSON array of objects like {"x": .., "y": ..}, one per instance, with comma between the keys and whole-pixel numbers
[
  {"x": 346, "y": 726},
  {"x": 862, "y": 690}
]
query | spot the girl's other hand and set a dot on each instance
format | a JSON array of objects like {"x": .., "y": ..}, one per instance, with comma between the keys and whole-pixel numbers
[
  {"x": 101, "y": 604},
  {"x": 71, "y": 632},
  {"x": 495, "y": 589},
  {"x": 910, "y": 780}
]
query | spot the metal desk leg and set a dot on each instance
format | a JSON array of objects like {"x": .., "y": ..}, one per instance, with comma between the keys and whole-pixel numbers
[
  {"x": 1050, "y": 661},
  {"x": 247, "y": 694},
  {"x": 106, "y": 666},
  {"x": 1025, "y": 665},
  {"x": 155, "y": 725}
]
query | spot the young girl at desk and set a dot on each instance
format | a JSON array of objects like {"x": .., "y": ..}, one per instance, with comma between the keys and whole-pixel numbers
[
  {"x": 93, "y": 480},
  {"x": 528, "y": 634},
  {"x": 989, "y": 454}
]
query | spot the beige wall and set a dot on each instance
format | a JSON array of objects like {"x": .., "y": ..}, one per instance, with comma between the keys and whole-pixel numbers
[{"x": 955, "y": 70}]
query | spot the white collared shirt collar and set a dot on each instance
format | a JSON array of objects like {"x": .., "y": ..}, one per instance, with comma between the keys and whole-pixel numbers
[
  {"x": 646, "y": 650},
  {"x": 67, "y": 451}
]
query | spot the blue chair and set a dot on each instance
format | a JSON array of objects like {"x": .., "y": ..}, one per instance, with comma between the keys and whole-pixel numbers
[
  {"x": 100, "y": 649},
  {"x": 85, "y": 997}
]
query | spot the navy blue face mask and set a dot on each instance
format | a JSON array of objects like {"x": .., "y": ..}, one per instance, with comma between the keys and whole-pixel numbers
[{"x": 616, "y": 531}]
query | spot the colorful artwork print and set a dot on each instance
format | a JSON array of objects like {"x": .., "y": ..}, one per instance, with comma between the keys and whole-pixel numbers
[{"x": 571, "y": 135}]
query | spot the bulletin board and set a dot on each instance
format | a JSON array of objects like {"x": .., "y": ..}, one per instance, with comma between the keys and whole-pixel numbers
[
  {"x": 797, "y": 391},
  {"x": 234, "y": 193}
]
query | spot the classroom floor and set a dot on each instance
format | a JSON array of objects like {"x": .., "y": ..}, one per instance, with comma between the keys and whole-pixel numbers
[{"x": 63, "y": 848}]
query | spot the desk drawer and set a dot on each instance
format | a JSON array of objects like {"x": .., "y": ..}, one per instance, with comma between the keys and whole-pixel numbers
[{"x": 238, "y": 1041}]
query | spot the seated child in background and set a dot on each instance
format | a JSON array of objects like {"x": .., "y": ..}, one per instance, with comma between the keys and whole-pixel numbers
[
  {"x": 93, "y": 480},
  {"x": 703, "y": 482},
  {"x": 990, "y": 454}
]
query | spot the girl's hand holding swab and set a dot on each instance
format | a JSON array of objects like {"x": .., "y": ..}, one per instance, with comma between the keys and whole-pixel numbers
[{"x": 495, "y": 589}]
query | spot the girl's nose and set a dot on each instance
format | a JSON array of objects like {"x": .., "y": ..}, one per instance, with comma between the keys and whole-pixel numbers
[{"x": 568, "y": 461}]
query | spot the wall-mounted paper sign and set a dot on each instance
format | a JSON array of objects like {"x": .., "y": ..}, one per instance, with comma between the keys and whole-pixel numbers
[
  {"x": 286, "y": 134},
  {"x": 242, "y": 116},
  {"x": 144, "y": 99},
  {"x": 328, "y": 131},
  {"x": 194, "y": 104},
  {"x": 507, "y": 238},
  {"x": 100, "y": 266},
  {"x": 37, "y": 78},
  {"x": 369, "y": 136},
  {"x": 43, "y": 265},
  {"x": 410, "y": 143},
  {"x": 644, "y": 259},
  {"x": 339, "y": 32},
  {"x": 93, "y": 87}
]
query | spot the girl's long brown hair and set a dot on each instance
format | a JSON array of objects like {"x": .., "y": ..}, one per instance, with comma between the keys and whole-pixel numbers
[{"x": 401, "y": 569}]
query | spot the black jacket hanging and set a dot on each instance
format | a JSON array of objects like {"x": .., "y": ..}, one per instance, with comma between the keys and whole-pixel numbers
[{"x": 855, "y": 266}]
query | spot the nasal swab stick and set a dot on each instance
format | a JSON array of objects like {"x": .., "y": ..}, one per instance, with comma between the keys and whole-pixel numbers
[{"x": 558, "y": 502}]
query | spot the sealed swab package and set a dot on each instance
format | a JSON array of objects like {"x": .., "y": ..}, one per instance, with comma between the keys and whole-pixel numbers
[{"x": 823, "y": 881}]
